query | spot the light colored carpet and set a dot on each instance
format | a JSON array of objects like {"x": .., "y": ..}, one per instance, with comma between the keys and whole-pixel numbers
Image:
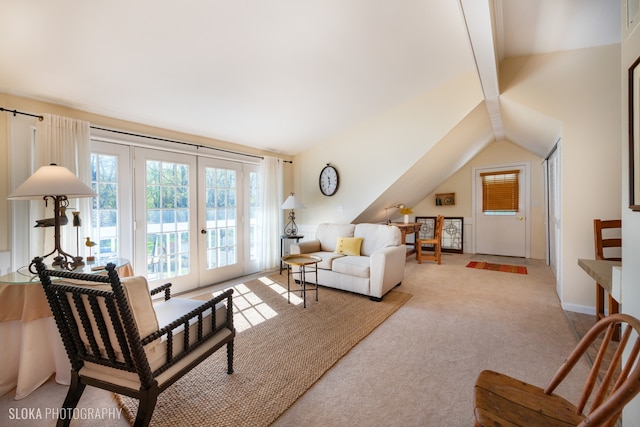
[
  {"x": 282, "y": 350},
  {"x": 419, "y": 366}
]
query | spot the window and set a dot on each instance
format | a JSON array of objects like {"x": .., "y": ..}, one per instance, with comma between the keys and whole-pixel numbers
[
  {"x": 104, "y": 221},
  {"x": 500, "y": 192},
  {"x": 112, "y": 219}
]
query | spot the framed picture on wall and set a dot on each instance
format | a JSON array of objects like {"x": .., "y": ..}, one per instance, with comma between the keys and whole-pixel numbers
[{"x": 452, "y": 232}]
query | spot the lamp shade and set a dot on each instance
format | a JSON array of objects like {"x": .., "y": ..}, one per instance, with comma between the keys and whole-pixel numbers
[
  {"x": 52, "y": 180},
  {"x": 292, "y": 203}
]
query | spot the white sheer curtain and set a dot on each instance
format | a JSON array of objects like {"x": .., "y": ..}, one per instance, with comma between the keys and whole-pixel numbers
[
  {"x": 271, "y": 213},
  {"x": 65, "y": 142}
]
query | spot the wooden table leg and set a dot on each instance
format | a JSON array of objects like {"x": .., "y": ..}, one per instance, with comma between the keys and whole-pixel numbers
[
  {"x": 599, "y": 302},
  {"x": 614, "y": 307}
]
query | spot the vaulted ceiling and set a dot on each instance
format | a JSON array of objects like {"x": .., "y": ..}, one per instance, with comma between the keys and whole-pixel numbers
[{"x": 282, "y": 75}]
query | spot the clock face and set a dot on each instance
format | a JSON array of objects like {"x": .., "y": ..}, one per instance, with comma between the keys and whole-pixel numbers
[{"x": 329, "y": 181}]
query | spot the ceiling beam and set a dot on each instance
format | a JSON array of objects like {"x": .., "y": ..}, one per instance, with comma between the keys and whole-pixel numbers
[{"x": 480, "y": 23}]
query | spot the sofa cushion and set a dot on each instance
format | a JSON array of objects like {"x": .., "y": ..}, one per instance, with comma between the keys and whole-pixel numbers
[
  {"x": 377, "y": 236},
  {"x": 348, "y": 245},
  {"x": 137, "y": 291},
  {"x": 327, "y": 259},
  {"x": 357, "y": 266},
  {"x": 328, "y": 233}
]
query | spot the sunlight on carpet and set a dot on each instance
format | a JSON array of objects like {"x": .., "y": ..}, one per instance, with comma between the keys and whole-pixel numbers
[
  {"x": 498, "y": 267},
  {"x": 281, "y": 351}
]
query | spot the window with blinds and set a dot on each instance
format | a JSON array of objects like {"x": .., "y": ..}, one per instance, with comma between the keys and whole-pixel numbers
[{"x": 500, "y": 192}]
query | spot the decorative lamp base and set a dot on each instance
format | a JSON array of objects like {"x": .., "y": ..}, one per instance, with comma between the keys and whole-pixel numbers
[{"x": 77, "y": 262}]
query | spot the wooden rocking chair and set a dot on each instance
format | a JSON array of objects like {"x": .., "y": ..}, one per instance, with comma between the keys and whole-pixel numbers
[{"x": 117, "y": 340}]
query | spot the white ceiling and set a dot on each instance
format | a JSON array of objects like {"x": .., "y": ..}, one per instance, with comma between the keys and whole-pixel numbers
[{"x": 280, "y": 75}]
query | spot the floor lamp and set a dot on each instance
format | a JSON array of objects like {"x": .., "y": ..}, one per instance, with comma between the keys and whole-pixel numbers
[{"x": 58, "y": 184}]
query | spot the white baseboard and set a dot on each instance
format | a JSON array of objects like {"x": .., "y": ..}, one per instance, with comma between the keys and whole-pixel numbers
[{"x": 584, "y": 309}]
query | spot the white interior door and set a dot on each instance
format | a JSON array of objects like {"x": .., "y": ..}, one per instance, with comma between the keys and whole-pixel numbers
[{"x": 502, "y": 233}]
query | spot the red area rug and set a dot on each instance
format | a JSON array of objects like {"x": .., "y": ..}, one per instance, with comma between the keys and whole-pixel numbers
[{"x": 498, "y": 267}]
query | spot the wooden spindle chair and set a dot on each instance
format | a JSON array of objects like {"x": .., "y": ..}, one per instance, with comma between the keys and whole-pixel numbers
[
  {"x": 611, "y": 384},
  {"x": 118, "y": 340}
]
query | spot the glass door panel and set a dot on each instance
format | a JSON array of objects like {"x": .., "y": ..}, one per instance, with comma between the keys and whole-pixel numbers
[
  {"x": 166, "y": 210},
  {"x": 220, "y": 219},
  {"x": 111, "y": 217}
]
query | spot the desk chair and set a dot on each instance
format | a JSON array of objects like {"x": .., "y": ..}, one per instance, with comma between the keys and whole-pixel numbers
[
  {"x": 607, "y": 247},
  {"x": 436, "y": 241},
  {"x": 609, "y": 386}
]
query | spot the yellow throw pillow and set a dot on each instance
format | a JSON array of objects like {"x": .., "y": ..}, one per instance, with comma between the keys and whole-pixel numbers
[{"x": 348, "y": 245}]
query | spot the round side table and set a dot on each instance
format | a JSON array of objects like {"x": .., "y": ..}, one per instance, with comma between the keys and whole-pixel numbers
[{"x": 303, "y": 262}]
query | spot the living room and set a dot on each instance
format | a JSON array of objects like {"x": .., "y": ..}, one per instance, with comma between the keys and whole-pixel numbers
[{"x": 414, "y": 158}]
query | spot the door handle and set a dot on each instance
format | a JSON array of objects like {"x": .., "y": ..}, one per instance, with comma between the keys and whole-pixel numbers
[
  {"x": 520, "y": 218},
  {"x": 203, "y": 231}
]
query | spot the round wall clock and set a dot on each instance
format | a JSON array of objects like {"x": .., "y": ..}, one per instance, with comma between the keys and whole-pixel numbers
[{"x": 329, "y": 180}]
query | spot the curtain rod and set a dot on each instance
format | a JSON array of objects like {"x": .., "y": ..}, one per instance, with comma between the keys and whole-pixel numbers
[
  {"x": 183, "y": 143},
  {"x": 20, "y": 112},
  {"x": 150, "y": 137}
]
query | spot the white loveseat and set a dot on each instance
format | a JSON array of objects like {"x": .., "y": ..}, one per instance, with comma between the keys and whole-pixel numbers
[{"x": 367, "y": 259}]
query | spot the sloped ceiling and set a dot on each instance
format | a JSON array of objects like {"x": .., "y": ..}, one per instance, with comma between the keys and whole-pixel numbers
[
  {"x": 282, "y": 75},
  {"x": 289, "y": 75}
]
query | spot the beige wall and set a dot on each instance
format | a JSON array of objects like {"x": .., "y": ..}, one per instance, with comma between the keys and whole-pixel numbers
[
  {"x": 376, "y": 154},
  {"x": 580, "y": 89},
  {"x": 461, "y": 183},
  {"x": 36, "y": 107}
]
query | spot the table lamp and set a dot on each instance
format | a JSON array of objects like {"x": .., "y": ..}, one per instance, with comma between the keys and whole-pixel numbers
[
  {"x": 58, "y": 184},
  {"x": 291, "y": 229},
  {"x": 398, "y": 206}
]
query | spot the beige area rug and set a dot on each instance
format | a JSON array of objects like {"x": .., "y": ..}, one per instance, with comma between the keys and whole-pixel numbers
[{"x": 280, "y": 351}]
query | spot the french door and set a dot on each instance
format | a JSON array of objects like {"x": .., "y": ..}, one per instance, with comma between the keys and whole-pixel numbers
[
  {"x": 220, "y": 235},
  {"x": 189, "y": 220}
]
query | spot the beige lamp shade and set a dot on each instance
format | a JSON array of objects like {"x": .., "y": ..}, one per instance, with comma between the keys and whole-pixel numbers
[
  {"x": 52, "y": 180},
  {"x": 292, "y": 203}
]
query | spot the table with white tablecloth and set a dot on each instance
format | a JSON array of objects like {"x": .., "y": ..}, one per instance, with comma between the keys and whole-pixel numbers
[{"x": 31, "y": 349}]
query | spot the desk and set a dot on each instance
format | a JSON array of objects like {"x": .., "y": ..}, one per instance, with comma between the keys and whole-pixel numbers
[
  {"x": 406, "y": 229},
  {"x": 600, "y": 270},
  {"x": 32, "y": 349}
]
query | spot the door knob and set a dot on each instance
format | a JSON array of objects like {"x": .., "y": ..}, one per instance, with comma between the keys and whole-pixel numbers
[
  {"x": 203, "y": 231},
  {"x": 520, "y": 218}
]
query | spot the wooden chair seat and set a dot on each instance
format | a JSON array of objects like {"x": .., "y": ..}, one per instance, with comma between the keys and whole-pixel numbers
[
  {"x": 612, "y": 382},
  {"x": 505, "y": 401}
]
